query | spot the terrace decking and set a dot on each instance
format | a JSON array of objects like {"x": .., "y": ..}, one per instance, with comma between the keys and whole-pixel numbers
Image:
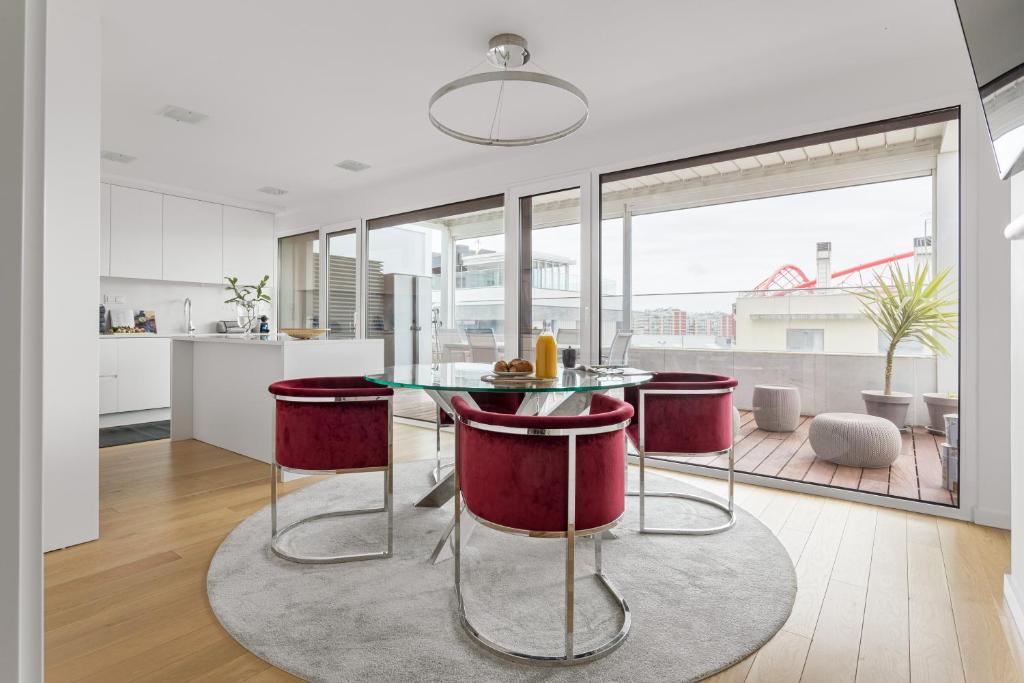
[{"x": 916, "y": 474}]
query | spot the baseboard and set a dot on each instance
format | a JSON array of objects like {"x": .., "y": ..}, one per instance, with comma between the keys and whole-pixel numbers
[
  {"x": 134, "y": 417},
  {"x": 992, "y": 517},
  {"x": 1014, "y": 604}
]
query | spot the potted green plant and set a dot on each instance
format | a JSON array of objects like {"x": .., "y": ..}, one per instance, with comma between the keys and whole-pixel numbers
[
  {"x": 247, "y": 299},
  {"x": 906, "y": 305},
  {"x": 939, "y": 405}
]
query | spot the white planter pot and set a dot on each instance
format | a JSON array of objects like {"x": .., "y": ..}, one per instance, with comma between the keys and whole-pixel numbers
[{"x": 892, "y": 407}]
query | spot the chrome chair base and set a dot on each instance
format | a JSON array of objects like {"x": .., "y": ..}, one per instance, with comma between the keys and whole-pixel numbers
[
  {"x": 570, "y": 657},
  {"x": 277, "y": 535},
  {"x": 728, "y": 508}
]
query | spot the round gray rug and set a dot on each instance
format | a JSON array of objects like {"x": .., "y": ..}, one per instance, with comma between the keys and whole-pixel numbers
[{"x": 699, "y": 603}]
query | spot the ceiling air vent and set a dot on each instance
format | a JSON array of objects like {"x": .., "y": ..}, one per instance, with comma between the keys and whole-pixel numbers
[
  {"x": 352, "y": 165},
  {"x": 182, "y": 115},
  {"x": 117, "y": 156},
  {"x": 276, "y": 191}
]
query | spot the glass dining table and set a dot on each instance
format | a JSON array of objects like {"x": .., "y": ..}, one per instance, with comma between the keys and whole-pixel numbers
[{"x": 569, "y": 393}]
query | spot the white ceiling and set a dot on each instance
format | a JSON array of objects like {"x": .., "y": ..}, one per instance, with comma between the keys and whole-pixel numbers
[{"x": 292, "y": 88}]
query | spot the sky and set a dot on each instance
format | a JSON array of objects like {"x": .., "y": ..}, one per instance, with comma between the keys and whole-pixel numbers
[{"x": 729, "y": 247}]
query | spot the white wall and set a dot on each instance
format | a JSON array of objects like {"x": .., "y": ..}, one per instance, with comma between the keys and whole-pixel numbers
[
  {"x": 22, "y": 43},
  {"x": 785, "y": 110},
  {"x": 1014, "y": 585},
  {"x": 71, "y": 233},
  {"x": 167, "y": 299},
  {"x": 984, "y": 219}
]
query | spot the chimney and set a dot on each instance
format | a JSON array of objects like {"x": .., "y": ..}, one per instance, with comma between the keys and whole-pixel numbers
[
  {"x": 922, "y": 253},
  {"x": 824, "y": 264}
]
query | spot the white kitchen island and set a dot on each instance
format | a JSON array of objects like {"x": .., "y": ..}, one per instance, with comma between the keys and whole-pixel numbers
[{"x": 219, "y": 383}]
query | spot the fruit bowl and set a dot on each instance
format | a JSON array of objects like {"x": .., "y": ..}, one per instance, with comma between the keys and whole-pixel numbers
[{"x": 304, "y": 332}]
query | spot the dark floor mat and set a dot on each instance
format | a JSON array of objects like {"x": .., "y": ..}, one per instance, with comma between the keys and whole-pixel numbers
[{"x": 137, "y": 433}]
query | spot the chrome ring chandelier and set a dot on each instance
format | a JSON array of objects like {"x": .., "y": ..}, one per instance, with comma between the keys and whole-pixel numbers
[{"x": 508, "y": 51}]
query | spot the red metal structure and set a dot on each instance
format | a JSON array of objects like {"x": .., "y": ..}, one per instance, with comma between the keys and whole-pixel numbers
[{"x": 789, "y": 277}]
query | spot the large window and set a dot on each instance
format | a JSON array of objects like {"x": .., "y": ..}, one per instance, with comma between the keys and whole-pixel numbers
[
  {"x": 342, "y": 272},
  {"x": 299, "y": 281},
  {"x": 435, "y": 287},
  {"x": 750, "y": 264},
  {"x": 549, "y": 266}
]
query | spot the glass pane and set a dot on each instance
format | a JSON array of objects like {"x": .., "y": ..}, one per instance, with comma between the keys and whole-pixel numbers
[
  {"x": 341, "y": 284},
  {"x": 436, "y": 293},
  {"x": 753, "y": 268},
  {"x": 298, "y": 298},
  {"x": 549, "y": 287}
]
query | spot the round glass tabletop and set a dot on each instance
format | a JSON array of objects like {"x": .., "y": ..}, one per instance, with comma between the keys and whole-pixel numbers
[{"x": 469, "y": 377}]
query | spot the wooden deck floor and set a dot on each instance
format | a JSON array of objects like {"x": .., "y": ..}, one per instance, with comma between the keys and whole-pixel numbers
[{"x": 916, "y": 474}]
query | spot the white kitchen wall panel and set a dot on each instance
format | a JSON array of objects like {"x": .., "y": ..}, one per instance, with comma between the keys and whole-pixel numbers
[
  {"x": 248, "y": 244},
  {"x": 136, "y": 233},
  {"x": 192, "y": 240}
]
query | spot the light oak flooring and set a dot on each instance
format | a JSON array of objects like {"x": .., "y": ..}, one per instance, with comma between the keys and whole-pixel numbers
[{"x": 884, "y": 595}]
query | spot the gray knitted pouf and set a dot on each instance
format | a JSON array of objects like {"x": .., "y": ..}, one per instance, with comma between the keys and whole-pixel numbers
[
  {"x": 855, "y": 440},
  {"x": 776, "y": 409}
]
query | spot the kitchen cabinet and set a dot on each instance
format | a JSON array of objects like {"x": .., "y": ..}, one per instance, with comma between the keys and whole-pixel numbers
[
  {"x": 248, "y": 244},
  {"x": 104, "y": 229},
  {"x": 192, "y": 240},
  {"x": 136, "y": 233},
  {"x": 135, "y": 374}
]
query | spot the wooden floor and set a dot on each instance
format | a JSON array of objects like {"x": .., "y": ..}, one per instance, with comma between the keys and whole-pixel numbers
[
  {"x": 883, "y": 595},
  {"x": 916, "y": 474}
]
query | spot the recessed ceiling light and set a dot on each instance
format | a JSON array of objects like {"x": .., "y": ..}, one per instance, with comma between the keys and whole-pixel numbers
[
  {"x": 267, "y": 189},
  {"x": 352, "y": 165},
  {"x": 117, "y": 156},
  {"x": 182, "y": 115}
]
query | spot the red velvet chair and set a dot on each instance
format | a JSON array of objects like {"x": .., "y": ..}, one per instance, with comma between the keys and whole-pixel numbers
[
  {"x": 492, "y": 401},
  {"x": 543, "y": 476},
  {"x": 683, "y": 414},
  {"x": 327, "y": 425}
]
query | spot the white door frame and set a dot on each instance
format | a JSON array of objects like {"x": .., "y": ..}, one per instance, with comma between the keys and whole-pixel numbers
[
  {"x": 589, "y": 247},
  {"x": 325, "y": 232}
]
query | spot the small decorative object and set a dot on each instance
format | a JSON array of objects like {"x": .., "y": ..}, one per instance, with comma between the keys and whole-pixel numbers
[
  {"x": 264, "y": 325},
  {"x": 906, "y": 305},
  {"x": 949, "y": 460},
  {"x": 145, "y": 322},
  {"x": 304, "y": 332},
  {"x": 247, "y": 299},
  {"x": 952, "y": 424},
  {"x": 103, "y": 319},
  {"x": 940, "y": 405},
  {"x": 569, "y": 357}
]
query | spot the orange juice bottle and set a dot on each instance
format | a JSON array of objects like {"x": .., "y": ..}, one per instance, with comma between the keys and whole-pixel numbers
[{"x": 547, "y": 356}]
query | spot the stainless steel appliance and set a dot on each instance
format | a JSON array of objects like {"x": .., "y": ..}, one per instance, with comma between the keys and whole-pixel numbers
[{"x": 406, "y": 319}]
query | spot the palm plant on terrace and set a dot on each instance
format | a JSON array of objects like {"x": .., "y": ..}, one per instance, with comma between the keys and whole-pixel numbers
[{"x": 907, "y": 304}]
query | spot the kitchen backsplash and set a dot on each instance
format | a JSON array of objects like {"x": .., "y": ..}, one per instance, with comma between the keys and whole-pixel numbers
[{"x": 167, "y": 300}]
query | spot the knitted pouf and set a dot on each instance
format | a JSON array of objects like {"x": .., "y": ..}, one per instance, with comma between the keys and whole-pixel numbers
[
  {"x": 776, "y": 409},
  {"x": 855, "y": 440}
]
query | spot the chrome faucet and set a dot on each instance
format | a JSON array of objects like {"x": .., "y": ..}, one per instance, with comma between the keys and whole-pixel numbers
[{"x": 188, "y": 318}]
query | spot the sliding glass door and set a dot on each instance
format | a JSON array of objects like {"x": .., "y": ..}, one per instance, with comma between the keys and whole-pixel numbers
[
  {"x": 299, "y": 280},
  {"x": 550, "y": 274},
  {"x": 435, "y": 288}
]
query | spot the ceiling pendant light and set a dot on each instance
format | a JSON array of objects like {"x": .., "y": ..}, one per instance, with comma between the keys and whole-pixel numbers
[{"x": 533, "y": 90}]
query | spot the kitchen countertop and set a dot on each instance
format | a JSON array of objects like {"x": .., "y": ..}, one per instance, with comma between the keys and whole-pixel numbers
[{"x": 260, "y": 340}]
